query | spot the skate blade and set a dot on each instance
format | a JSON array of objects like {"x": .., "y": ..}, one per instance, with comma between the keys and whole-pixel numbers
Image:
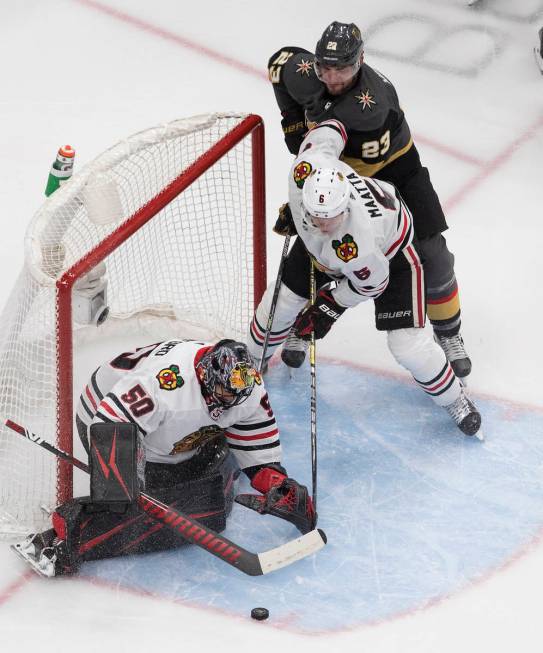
[
  {"x": 47, "y": 571},
  {"x": 480, "y": 435},
  {"x": 538, "y": 59}
]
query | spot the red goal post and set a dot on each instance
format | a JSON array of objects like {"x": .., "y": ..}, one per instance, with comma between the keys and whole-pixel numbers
[{"x": 177, "y": 215}]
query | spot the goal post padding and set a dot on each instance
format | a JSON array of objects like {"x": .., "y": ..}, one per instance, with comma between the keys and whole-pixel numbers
[{"x": 177, "y": 214}]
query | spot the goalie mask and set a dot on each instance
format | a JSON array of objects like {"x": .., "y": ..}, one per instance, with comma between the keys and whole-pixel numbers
[{"x": 227, "y": 373}]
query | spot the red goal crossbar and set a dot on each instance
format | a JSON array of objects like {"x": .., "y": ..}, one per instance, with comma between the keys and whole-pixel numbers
[{"x": 252, "y": 125}]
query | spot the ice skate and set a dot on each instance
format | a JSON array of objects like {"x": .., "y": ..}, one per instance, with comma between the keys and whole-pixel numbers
[
  {"x": 294, "y": 350},
  {"x": 456, "y": 354},
  {"x": 465, "y": 415},
  {"x": 40, "y": 551}
]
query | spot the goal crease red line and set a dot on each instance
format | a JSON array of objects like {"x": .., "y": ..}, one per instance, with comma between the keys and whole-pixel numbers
[{"x": 10, "y": 590}]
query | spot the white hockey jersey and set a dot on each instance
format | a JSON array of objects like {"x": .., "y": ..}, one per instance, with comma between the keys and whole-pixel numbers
[
  {"x": 377, "y": 227},
  {"x": 156, "y": 388}
]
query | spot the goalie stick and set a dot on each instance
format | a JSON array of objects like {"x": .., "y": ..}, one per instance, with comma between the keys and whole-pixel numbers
[{"x": 191, "y": 530}]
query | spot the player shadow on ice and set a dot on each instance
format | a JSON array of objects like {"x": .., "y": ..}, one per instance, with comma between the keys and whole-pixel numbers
[{"x": 413, "y": 510}]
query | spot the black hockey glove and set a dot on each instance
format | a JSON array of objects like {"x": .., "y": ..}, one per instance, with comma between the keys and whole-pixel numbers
[
  {"x": 282, "y": 497},
  {"x": 284, "y": 225},
  {"x": 294, "y": 129},
  {"x": 319, "y": 317}
]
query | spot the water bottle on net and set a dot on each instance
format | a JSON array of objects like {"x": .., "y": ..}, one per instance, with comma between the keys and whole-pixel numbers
[{"x": 61, "y": 170}]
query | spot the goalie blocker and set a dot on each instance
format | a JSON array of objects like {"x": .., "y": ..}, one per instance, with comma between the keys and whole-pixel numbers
[{"x": 109, "y": 522}]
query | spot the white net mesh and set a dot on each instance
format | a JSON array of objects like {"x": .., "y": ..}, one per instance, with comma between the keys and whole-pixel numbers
[{"x": 193, "y": 261}]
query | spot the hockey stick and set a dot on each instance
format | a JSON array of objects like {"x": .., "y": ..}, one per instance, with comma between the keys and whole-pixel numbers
[
  {"x": 313, "y": 372},
  {"x": 193, "y": 531},
  {"x": 274, "y": 301}
]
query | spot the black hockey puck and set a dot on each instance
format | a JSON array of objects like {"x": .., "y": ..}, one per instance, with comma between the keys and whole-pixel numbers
[{"x": 260, "y": 614}]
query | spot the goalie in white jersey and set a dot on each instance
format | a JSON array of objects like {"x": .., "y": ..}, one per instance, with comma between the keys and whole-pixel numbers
[
  {"x": 359, "y": 234},
  {"x": 199, "y": 413}
]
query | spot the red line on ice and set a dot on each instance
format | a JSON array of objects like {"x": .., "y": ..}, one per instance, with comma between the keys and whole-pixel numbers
[
  {"x": 493, "y": 165},
  {"x": 8, "y": 592},
  {"x": 165, "y": 34},
  {"x": 241, "y": 66}
]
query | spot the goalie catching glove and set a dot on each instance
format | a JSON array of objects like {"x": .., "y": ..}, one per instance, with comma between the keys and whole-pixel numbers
[
  {"x": 284, "y": 225},
  {"x": 282, "y": 497},
  {"x": 318, "y": 317}
]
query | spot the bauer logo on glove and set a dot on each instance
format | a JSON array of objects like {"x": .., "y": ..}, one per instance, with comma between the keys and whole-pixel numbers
[
  {"x": 319, "y": 317},
  {"x": 330, "y": 312}
]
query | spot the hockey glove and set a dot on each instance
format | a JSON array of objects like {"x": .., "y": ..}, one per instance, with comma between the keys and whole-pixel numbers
[
  {"x": 284, "y": 225},
  {"x": 282, "y": 497},
  {"x": 319, "y": 317}
]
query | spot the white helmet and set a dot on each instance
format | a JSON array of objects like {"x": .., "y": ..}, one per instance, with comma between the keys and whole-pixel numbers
[{"x": 326, "y": 193}]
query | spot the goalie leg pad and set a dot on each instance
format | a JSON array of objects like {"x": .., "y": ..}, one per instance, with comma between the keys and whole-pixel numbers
[
  {"x": 202, "y": 487},
  {"x": 107, "y": 534},
  {"x": 214, "y": 457}
]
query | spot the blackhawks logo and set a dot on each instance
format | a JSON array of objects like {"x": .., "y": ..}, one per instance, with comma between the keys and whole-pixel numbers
[
  {"x": 243, "y": 376},
  {"x": 169, "y": 378},
  {"x": 346, "y": 248},
  {"x": 301, "y": 173}
]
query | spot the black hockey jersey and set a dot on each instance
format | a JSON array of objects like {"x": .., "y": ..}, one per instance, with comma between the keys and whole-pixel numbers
[{"x": 376, "y": 127}]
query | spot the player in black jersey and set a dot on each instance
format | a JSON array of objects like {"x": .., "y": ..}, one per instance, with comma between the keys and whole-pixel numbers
[{"x": 337, "y": 83}]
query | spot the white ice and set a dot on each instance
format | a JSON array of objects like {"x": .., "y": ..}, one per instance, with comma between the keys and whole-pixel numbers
[{"x": 90, "y": 73}]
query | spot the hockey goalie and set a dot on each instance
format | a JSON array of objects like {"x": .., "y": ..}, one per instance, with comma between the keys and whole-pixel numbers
[{"x": 178, "y": 419}]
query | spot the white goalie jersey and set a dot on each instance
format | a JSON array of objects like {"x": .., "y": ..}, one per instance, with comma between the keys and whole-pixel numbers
[
  {"x": 157, "y": 389},
  {"x": 377, "y": 227}
]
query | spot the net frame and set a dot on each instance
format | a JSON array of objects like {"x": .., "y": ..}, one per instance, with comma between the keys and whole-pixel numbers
[{"x": 248, "y": 126}]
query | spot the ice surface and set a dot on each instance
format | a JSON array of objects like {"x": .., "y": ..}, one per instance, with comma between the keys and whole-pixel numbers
[
  {"x": 434, "y": 539},
  {"x": 413, "y": 510}
]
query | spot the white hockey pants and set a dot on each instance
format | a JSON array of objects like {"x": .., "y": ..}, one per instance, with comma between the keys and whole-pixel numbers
[{"x": 416, "y": 350}]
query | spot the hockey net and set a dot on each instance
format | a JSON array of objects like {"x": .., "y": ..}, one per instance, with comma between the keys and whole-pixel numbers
[{"x": 176, "y": 214}]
